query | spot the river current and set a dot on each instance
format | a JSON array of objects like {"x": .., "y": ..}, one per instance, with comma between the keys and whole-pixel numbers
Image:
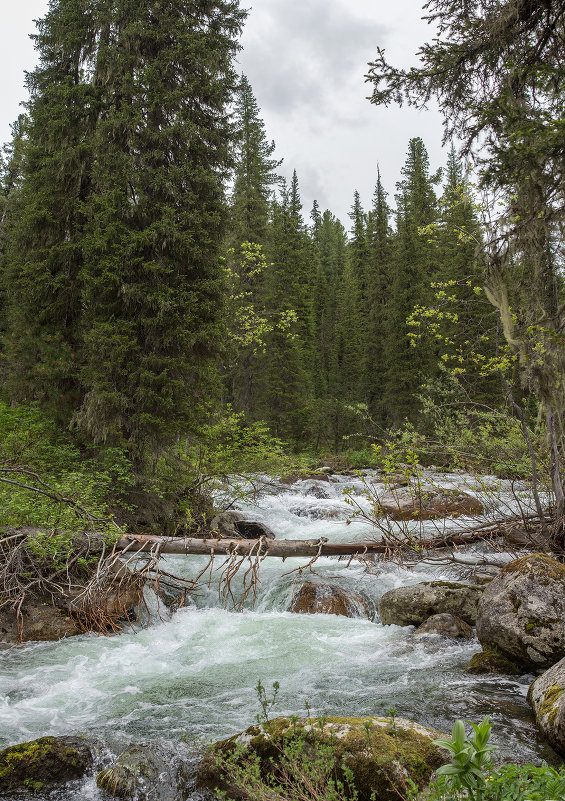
[{"x": 191, "y": 677}]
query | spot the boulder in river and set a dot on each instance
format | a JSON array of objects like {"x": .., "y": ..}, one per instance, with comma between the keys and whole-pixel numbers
[
  {"x": 234, "y": 524},
  {"x": 492, "y": 660},
  {"x": 378, "y": 754},
  {"x": 446, "y": 625},
  {"x": 42, "y": 764},
  {"x": 324, "y": 598},
  {"x": 522, "y": 612},
  {"x": 413, "y": 605},
  {"x": 547, "y": 698},
  {"x": 146, "y": 773},
  {"x": 318, "y": 492},
  {"x": 428, "y": 503}
]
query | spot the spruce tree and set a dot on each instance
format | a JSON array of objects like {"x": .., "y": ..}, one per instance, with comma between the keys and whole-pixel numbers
[
  {"x": 283, "y": 375},
  {"x": 414, "y": 267},
  {"x": 114, "y": 252},
  {"x": 255, "y": 173},
  {"x": 45, "y": 225},
  {"x": 255, "y": 178},
  {"x": 378, "y": 293}
]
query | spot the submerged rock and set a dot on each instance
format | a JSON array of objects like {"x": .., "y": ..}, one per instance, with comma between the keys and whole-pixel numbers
[
  {"x": 412, "y": 606},
  {"x": 146, "y": 773},
  {"x": 323, "y": 598},
  {"x": 522, "y": 612},
  {"x": 43, "y": 763},
  {"x": 547, "y": 698},
  {"x": 318, "y": 492},
  {"x": 428, "y": 504},
  {"x": 379, "y": 754},
  {"x": 234, "y": 524},
  {"x": 446, "y": 625},
  {"x": 492, "y": 660},
  {"x": 319, "y": 512}
]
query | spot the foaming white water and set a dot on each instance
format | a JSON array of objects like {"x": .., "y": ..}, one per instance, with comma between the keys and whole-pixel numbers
[{"x": 197, "y": 672}]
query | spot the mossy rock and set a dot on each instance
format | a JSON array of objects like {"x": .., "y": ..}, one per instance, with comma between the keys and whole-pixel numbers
[
  {"x": 146, "y": 772},
  {"x": 492, "y": 660},
  {"x": 379, "y": 755},
  {"x": 412, "y": 605},
  {"x": 43, "y": 763},
  {"x": 547, "y": 698},
  {"x": 522, "y": 612}
]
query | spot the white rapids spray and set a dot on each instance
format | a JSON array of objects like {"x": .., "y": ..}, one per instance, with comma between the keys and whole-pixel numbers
[{"x": 194, "y": 675}]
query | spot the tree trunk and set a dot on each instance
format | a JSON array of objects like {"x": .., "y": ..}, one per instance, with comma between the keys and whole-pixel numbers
[{"x": 286, "y": 548}]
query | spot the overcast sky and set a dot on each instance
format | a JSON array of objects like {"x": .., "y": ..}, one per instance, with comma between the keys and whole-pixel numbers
[{"x": 306, "y": 60}]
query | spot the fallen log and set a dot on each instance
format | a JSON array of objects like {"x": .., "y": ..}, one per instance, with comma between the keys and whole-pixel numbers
[{"x": 286, "y": 548}]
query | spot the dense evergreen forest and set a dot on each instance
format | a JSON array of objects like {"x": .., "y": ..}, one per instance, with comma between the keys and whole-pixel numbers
[
  {"x": 167, "y": 303},
  {"x": 181, "y": 341}
]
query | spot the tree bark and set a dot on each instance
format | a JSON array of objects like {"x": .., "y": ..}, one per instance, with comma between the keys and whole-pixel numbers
[{"x": 286, "y": 548}]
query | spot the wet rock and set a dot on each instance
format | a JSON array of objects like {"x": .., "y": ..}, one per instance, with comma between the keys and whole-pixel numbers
[
  {"x": 146, "y": 773},
  {"x": 38, "y": 621},
  {"x": 42, "y": 763},
  {"x": 318, "y": 492},
  {"x": 323, "y": 598},
  {"x": 492, "y": 660},
  {"x": 522, "y": 612},
  {"x": 379, "y": 757},
  {"x": 237, "y": 525},
  {"x": 446, "y": 625},
  {"x": 547, "y": 698},
  {"x": 412, "y": 606},
  {"x": 428, "y": 504},
  {"x": 319, "y": 512},
  {"x": 294, "y": 478}
]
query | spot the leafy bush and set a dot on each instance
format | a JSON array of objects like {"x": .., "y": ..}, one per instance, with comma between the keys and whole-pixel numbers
[
  {"x": 47, "y": 481},
  {"x": 471, "y": 776}
]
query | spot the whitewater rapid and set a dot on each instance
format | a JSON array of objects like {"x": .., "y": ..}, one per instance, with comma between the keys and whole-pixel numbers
[{"x": 192, "y": 676}]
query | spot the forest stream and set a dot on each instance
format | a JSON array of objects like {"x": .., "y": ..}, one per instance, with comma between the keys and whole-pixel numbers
[{"x": 191, "y": 677}]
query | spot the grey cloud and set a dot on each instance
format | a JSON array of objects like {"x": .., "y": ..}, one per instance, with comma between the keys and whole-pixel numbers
[{"x": 304, "y": 53}]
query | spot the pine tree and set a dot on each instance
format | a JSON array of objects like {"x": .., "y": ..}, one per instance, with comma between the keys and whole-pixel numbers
[
  {"x": 114, "y": 253},
  {"x": 378, "y": 292},
  {"x": 283, "y": 376},
  {"x": 45, "y": 226},
  {"x": 413, "y": 269},
  {"x": 255, "y": 171}
]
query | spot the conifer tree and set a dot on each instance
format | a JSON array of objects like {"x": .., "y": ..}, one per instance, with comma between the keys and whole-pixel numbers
[
  {"x": 413, "y": 269},
  {"x": 153, "y": 284},
  {"x": 378, "y": 293},
  {"x": 45, "y": 224},
  {"x": 114, "y": 250},
  {"x": 255, "y": 171},
  {"x": 283, "y": 375}
]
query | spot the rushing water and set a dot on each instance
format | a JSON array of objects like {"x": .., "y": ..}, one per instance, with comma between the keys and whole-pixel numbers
[{"x": 193, "y": 676}]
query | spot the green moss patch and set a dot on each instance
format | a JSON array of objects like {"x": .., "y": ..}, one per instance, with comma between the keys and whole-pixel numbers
[
  {"x": 492, "y": 660},
  {"x": 549, "y": 706},
  {"x": 373, "y": 757},
  {"x": 43, "y": 762}
]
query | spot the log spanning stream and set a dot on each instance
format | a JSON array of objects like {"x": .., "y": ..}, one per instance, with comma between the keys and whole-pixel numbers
[{"x": 191, "y": 676}]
